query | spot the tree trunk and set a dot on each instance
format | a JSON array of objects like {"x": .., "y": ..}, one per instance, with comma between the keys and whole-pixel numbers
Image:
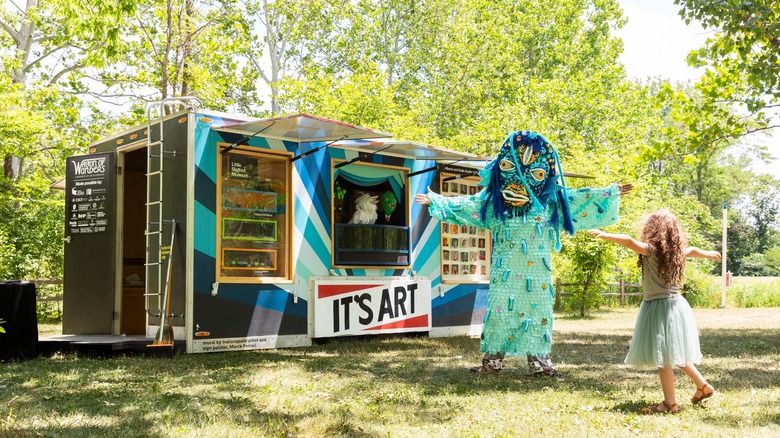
[
  {"x": 11, "y": 167},
  {"x": 24, "y": 41}
]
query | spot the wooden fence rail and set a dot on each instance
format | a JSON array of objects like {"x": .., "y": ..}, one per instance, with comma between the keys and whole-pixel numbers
[
  {"x": 559, "y": 285},
  {"x": 48, "y": 282}
]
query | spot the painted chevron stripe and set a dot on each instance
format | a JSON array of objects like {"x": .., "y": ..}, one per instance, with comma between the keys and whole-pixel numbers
[
  {"x": 414, "y": 322},
  {"x": 330, "y": 290}
]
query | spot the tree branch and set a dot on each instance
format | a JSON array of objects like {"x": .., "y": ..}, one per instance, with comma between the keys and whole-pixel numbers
[
  {"x": 40, "y": 58},
  {"x": 10, "y": 30},
  {"x": 259, "y": 68},
  {"x": 65, "y": 71}
]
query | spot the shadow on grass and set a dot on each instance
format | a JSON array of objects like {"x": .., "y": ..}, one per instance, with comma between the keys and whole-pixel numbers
[
  {"x": 148, "y": 424},
  {"x": 396, "y": 371}
]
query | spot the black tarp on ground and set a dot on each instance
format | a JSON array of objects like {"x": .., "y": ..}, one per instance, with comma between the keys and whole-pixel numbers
[{"x": 17, "y": 309}]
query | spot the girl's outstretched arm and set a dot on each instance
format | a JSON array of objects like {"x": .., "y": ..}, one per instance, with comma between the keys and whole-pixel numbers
[
  {"x": 622, "y": 239},
  {"x": 692, "y": 251}
]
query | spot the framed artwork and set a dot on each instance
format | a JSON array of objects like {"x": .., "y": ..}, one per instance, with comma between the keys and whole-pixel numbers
[{"x": 465, "y": 248}]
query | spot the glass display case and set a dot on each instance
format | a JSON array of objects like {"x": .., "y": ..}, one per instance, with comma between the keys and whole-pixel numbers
[
  {"x": 465, "y": 250},
  {"x": 253, "y": 216}
]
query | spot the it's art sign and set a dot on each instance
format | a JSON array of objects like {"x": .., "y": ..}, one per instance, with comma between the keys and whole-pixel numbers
[{"x": 367, "y": 307}]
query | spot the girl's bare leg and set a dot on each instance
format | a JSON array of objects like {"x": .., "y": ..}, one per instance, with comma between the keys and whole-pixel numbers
[
  {"x": 691, "y": 371},
  {"x": 667, "y": 384}
]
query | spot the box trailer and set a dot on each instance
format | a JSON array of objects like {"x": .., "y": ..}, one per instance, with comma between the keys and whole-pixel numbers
[{"x": 237, "y": 233}]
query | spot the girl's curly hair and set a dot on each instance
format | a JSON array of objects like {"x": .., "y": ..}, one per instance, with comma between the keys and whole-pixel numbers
[{"x": 663, "y": 232}]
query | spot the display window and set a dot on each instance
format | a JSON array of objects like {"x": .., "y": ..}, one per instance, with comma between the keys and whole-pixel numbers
[
  {"x": 465, "y": 250},
  {"x": 370, "y": 216},
  {"x": 254, "y": 217}
]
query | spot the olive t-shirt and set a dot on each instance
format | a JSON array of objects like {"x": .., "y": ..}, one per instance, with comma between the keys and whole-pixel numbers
[{"x": 653, "y": 286}]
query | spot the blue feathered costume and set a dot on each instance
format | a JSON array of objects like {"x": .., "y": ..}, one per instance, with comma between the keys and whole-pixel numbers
[{"x": 525, "y": 205}]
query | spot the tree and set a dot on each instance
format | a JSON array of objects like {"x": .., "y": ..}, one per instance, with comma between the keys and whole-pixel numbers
[
  {"x": 464, "y": 74},
  {"x": 185, "y": 48},
  {"x": 741, "y": 241},
  {"x": 54, "y": 42},
  {"x": 744, "y": 53},
  {"x": 756, "y": 265},
  {"x": 763, "y": 208},
  {"x": 591, "y": 257},
  {"x": 772, "y": 256},
  {"x": 695, "y": 138},
  {"x": 46, "y": 50}
]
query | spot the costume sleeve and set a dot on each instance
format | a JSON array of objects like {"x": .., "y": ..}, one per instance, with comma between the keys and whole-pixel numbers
[
  {"x": 459, "y": 210},
  {"x": 593, "y": 208}
]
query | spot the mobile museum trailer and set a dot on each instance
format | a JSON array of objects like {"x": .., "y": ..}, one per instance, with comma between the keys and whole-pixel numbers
[{"x": 235, "y": 233}]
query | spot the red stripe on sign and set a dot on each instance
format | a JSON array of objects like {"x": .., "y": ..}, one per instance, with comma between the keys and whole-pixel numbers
[
  {"x": 416, "y": 322},
  {"x": 329, "y": 290}
]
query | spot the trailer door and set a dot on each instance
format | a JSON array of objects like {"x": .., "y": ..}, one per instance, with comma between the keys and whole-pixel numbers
[{"x": 90, "y": 245}]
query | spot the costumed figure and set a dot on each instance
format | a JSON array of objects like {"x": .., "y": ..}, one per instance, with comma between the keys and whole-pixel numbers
[
  {"x": 365, "y": 210},
  {"x": 525, "y": 205},
  {"x": 388, "y": 203}
]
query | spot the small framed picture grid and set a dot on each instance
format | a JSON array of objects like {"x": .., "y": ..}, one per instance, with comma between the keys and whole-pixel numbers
[{"x": 465, "y": 249}]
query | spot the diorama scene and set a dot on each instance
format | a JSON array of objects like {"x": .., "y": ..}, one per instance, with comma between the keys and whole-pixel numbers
[{"x": 365, "y": 218}]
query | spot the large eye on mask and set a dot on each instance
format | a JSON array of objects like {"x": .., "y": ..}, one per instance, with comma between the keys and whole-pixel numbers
[
  {"x": 507, "y": 165},
  {"x": 538, "y": 174}
]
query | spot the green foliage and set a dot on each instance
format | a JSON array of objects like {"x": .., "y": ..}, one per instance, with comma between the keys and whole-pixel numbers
[
  {"x": 362, "y": 98},
  {"x": 741, "y": 241},
  {"x": 49, "y": 311},
  {"x": 41, "y": 128},
  {"x": 20, "y": 123},
  {"x": 701, "y": 289},
  {"x": 556, "y": 73},
  {"x": 773, "y": 258},
  {"x": 186, "y": 48},
  {"x": 591, "y": 258},
  {"x": 755, "y": 294},
  {"x": 2, "y": 321},
  {"x": 30, "y": 214},
  {"x": 763, "y": 208},
  {"x": 56, "y": 41},
  {"x": 757, "y": 265},
  {"x": 693, "y": 144},
  {"x": 743, "y": 56},
  {"x": 453, "y": 73}
]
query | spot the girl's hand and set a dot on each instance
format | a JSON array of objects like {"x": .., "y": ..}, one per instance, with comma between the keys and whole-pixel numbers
[
  {"x": 714, "y": 255},
  {"x": 596, "y": 233},
  {"x": 423, "y": 199}
]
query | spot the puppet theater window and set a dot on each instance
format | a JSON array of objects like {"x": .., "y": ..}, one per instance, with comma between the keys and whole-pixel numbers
[
  {"x": 253, "y": 217},
  {"x": 465, "y": 250},
  {"x": 370, "y": 216}
]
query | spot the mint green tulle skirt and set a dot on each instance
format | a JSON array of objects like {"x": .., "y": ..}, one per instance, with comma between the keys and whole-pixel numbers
[{"x": 665, "y": 334}]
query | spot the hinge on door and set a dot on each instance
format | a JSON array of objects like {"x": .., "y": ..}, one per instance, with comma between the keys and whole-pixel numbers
[
  {"x": 114, "y": 316},
  {"x": 118, "y": 170}
]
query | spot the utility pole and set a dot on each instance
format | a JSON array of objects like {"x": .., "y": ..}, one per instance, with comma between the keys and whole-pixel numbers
[{"x": 723, "y": 271}]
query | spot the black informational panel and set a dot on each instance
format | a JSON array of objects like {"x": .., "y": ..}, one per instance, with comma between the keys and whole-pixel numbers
[{"x": 90, "y": 242}]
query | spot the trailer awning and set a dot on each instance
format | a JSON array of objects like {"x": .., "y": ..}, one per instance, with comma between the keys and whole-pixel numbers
[
  {"x": 301, "y": 128},
  {"x": 408, "y": 150}
]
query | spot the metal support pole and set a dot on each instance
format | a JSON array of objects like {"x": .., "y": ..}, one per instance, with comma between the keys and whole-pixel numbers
[{"x": 723, "y": 260}]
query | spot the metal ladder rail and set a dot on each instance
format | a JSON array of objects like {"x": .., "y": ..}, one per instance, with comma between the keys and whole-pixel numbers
[{"x": 155, "y": 158}]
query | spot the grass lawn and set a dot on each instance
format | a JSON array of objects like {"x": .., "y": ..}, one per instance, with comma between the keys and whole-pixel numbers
[{"x": 405, "y": 387}]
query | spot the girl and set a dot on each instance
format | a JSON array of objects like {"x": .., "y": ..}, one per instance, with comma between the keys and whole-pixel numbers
[{"x": 665, "y": 334}]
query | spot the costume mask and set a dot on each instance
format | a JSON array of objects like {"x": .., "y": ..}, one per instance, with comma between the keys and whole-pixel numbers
[
  {"x": 525, "y": 177},
  {"x": 389, "y": 204}
]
